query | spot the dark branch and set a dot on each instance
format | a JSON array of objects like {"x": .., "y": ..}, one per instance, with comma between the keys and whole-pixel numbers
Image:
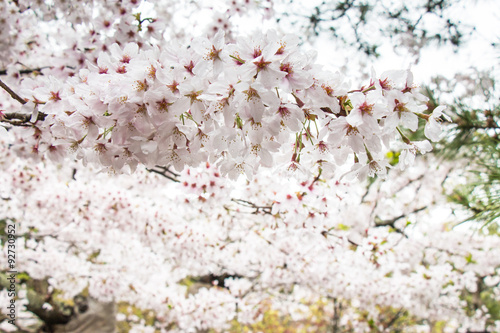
[
  {"x": 49, "y": 317},
  {"x": 16, "y": 118},
  {"x": 37, "y": 70},
  {"x": 393, "y": 320},
  {"x": 26, "y": 71},
  {"x": 165, "y": 172},
  {"x": 12, "y": 93},
  {"x": 258, "y": 209},
  {"x": 391, "y": 222},
  {"x": 326, "y": 233}
]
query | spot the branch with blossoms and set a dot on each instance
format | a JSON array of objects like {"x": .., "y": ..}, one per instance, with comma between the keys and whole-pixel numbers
[
  {"x": 258, "y": 103},
  {"x": 36, "y": 71},
  {"x": 17, "y": 118},
  {"x": 20, "y": 119},
  {"x": 24, "y": 71}
]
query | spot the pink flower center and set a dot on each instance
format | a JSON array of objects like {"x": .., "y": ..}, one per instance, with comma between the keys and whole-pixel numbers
[{"x": 366, "y": 108}]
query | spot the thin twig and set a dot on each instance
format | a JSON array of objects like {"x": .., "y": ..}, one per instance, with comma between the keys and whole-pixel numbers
[
  {"x": 12, "y": 93},
  {"x": 390, "y": 223},
  {"x": 263, "y": 209},
  {"x": 163, "y": 172}
]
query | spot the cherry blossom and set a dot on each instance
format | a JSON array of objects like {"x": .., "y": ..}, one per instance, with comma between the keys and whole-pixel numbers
[
  {"x": 210, "y": 176},
  {"x": 316, "y": 238},
  {"x": 157, "y": 108},
  {"x": 432, "y": 127}
]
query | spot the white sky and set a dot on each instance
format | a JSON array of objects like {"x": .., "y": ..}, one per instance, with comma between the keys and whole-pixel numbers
[{"x": 477, "y": 51}]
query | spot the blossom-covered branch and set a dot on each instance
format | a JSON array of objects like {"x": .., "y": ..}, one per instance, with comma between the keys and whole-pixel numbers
[{"x": 261, "y": 102}]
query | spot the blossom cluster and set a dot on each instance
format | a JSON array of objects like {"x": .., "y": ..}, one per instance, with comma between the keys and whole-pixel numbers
[
  {"x": 85, "y": 28},
  {"x": 130, "y": 92},
  {"x": 258, "y": 102},
  {"x": 138, "y": 239}
]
